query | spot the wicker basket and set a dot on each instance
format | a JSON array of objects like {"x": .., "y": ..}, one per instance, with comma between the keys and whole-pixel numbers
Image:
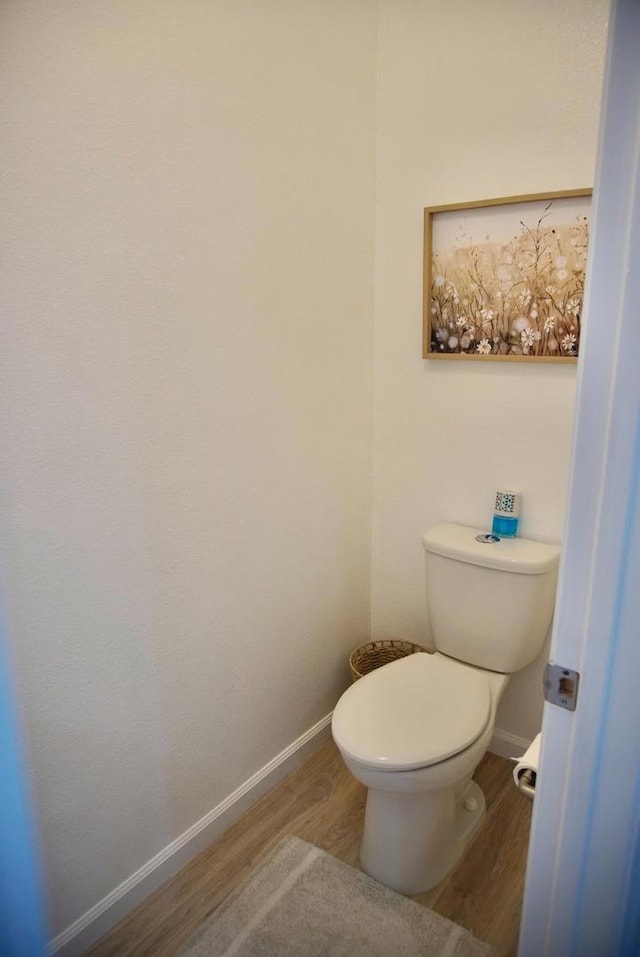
[{"x": 374, "y": 654}]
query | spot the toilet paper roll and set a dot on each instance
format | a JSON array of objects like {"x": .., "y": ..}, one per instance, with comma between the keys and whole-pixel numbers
[{"x": 528, "y": 762}]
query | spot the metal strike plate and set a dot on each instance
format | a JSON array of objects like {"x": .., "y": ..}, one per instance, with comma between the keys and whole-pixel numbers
[{"x": 561, "y": 686}]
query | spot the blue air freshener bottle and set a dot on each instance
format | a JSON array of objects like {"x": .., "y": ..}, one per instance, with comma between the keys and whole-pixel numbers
[{"x": 506, "y": 514}]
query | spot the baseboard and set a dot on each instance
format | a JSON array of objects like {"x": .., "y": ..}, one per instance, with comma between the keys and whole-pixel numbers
[
  {"x": 507, "y": 745},
  {"x": 104, "y": 915}
]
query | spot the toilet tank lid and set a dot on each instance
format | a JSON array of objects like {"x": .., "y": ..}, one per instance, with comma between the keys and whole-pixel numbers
[{"x": 519, "y": 555}]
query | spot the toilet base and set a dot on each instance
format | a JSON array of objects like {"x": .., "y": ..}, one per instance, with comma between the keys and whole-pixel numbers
[{"x": 412, "y": 841}]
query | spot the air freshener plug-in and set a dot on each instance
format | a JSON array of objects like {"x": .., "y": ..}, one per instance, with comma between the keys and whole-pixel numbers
[{"x": 506, "y": 513}]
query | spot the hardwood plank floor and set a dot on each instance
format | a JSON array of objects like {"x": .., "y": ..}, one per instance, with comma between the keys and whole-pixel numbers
[{"x": 323, "y": 804}]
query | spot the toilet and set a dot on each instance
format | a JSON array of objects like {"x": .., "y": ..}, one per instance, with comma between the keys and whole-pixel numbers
[{"x": 414, "y": 731}]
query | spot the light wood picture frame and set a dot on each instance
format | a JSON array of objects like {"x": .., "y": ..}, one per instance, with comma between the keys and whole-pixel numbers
[{"x": 504, "y": 278}]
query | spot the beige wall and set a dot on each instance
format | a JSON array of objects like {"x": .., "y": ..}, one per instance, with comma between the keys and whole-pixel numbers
[
  {"x": 187, "y": 296},
  {"x": 475, "y": 100},
  {"x": 187, "y": 352}
]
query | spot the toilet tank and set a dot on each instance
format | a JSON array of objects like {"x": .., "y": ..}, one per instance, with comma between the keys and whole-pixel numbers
[{"x": 489, "y": 603}]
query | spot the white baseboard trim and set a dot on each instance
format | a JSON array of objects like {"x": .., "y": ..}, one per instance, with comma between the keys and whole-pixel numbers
[
  {"x": 507, "y": 745},
  {"x": 104, "y": 915}
]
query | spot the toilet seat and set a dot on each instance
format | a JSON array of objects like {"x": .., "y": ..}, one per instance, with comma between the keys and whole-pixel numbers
[{"x": 412, "y": 713}]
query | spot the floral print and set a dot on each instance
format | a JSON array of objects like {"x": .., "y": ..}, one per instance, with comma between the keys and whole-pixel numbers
[{"x": 518, "y": 298}]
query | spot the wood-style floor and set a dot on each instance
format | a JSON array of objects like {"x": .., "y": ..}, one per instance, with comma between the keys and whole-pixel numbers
[{"x": 323, "y": 804}]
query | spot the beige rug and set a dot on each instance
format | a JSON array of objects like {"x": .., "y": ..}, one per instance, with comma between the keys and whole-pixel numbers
[{"x": 304, "y": 903}]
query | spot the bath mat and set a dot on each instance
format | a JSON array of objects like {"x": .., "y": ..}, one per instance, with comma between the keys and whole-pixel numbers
[{"x": 302, "y": 902}]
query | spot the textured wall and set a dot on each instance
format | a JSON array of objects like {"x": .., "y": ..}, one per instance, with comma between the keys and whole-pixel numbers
[
  {"x": 187, "y": 294},
  {"x": 475, "y": 100}
]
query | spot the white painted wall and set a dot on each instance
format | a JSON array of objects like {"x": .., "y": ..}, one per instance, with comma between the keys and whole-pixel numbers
[
  {"x": 187, "y": 298},
  {"x": 476, "y": 100}
]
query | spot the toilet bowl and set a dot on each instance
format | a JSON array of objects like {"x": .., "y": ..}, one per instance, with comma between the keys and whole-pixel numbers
[{"x": 413, "y": 733}]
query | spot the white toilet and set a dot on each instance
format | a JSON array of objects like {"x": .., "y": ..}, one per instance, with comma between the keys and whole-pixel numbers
[{"x": 414, "y": 731}]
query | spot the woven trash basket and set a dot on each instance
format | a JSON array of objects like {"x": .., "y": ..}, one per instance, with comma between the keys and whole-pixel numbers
[{"x": 374, "y": 654}]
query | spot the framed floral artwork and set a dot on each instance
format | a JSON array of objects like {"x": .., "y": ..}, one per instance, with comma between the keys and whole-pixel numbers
[{"x": 504, "y": 278}]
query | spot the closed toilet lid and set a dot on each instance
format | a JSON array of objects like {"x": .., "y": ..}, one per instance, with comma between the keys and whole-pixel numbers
[{"x": 412, "y": 713}]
